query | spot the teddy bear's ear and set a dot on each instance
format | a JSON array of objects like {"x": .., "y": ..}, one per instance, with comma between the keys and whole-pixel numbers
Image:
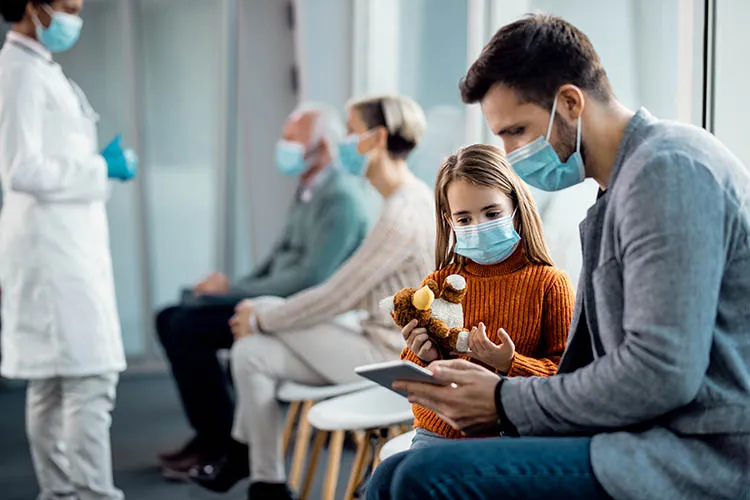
[{"x": 432, "y": 285}]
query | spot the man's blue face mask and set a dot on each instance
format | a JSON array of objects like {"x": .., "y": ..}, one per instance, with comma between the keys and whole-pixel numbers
[
  {"x": 537, "y": 163},
  {"x": 290, "y": 158}
]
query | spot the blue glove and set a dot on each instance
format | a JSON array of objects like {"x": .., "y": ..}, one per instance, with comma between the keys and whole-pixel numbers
[{"x": 121, "y": 164}]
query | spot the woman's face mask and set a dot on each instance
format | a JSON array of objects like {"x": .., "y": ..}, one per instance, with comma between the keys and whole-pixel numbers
[
  {"x": 63, "y": 31},
  {"x": 351, "y": 159}
]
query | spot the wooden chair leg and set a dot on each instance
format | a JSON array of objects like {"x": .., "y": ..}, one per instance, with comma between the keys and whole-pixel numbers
[
  {"x": 358, "y": 467},
  {"x": 334, "y": 465},
  {"x": 318, "y": 442},
  {"x": 289, "y": 425},
  {"x": 302, "y": 443}
]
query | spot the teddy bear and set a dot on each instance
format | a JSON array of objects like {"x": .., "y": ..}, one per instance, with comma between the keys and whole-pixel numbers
[{"x": 439, "y": 312}]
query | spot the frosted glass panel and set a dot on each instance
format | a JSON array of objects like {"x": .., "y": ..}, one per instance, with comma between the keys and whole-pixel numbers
[
  {"x": 732, "y": 106},
  {"x": 96, "y": 63},
  {"x": 418, "y": 48},
  {"x": 642, "y": 46},
  {"x": 181, "y": 52}
]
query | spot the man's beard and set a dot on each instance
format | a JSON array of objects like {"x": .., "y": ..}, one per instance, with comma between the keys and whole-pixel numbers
[{"x": 566, "y": 140}]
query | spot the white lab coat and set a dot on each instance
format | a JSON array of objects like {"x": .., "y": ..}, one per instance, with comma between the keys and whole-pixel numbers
[{"x": 59, "y": 314}]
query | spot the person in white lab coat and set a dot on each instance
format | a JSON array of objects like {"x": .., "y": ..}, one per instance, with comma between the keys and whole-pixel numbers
[{"x": 60, "y": 324}]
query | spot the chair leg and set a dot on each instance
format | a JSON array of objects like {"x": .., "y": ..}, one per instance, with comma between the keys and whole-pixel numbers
[
  {"x": 291, "y": 422},
  {"x": 302, "y": 443},
  {"x": 358, "y": 467},
  {"x": 318, "y": 442},
  {"x": 334, "y": 465}
]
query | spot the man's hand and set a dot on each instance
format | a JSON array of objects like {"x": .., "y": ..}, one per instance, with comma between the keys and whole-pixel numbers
[
  {"x": 468, "y": 399},
  {"x": 213, "y": 284},
  {"x": 482, "y": 348},
  {"x": 419, "y": 342},
  {"x": 240, "y": 322}
]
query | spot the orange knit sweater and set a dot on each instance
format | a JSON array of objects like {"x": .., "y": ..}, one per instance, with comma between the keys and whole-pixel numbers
[{"x": 533, "y": 303}]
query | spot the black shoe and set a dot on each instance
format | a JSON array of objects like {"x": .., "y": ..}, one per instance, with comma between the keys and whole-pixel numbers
[
  {"x": 270, "y": 491},
  {"x": 222, "y": 475}
]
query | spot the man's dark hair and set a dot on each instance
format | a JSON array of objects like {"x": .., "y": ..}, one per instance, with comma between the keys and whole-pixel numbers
[{"x": 536, "y": 56}]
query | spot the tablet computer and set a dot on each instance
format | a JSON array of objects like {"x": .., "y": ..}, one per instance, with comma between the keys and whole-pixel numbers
[{"x": 388, "y": 372}]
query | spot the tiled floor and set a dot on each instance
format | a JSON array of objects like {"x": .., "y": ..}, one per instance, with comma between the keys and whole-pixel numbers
[{"x": 147, "y": 419}]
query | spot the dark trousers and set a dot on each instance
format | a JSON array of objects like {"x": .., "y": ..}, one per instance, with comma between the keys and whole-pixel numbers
[
  {"x": 488, "y": 469},
  {"x": 191, "y": 337}
]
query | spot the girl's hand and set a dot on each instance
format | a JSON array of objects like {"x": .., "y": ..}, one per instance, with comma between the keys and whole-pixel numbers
[
  {"x": 419, "y": 342},
  {"x": 486, "y": 351}
]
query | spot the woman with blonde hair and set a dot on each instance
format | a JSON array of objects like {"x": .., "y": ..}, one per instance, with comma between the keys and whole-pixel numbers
[{"x": 298, "y": 338}]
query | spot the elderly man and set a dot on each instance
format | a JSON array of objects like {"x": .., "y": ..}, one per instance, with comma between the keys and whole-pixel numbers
[
  {"x": 328, "y": 220},
  {"x": 652, "y": 397}
]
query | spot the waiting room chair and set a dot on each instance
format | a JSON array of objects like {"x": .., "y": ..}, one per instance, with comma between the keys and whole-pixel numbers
[
  {"x": 396, "y": 445},
  {"x": 377, "y": 412},
  {"x": 301, "y": 398}
]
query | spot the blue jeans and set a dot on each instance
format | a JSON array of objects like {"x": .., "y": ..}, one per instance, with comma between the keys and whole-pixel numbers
[{"x": 477, "y": 469}]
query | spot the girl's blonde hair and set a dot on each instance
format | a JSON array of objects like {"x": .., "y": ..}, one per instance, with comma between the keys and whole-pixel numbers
[{"x": 485, "y": 165}]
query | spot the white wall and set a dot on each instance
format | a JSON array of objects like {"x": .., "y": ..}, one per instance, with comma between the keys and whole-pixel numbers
[
  {"x": 265, "y": 99},
  {"x": 324, "y": 50}
]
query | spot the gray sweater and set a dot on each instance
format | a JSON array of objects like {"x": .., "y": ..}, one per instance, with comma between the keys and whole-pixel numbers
[
  {"x": 657, "y": 366},
  {"x": 319, "y": 235}
]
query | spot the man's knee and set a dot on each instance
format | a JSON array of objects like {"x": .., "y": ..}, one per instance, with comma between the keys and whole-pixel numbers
[
  {"x": 379, "y": 486},
  {"x": 416, "y": 470},
  {"x": 164, "y": 324}
]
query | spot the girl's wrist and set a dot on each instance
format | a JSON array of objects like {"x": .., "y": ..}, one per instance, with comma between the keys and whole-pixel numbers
[{"x": 504, "y": 366}]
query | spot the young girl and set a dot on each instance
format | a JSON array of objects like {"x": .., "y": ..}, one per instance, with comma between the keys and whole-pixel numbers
[{"x": 518, "y": 305}]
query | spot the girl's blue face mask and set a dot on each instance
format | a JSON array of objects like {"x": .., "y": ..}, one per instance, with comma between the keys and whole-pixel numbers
[
  {"x": 537, "y": 163},
  {"x": 62, "y": 33},
  {"x": 487, "y": 243}
]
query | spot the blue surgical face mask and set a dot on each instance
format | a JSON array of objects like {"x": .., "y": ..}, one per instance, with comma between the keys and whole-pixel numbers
[
  {"x": 290, "y": 158},
  {"x": 537, "y": 163},
  {"x": 489, "y": 242},
  {"x": 63, "y": 32},
  {"x": 352, "y": 160}
]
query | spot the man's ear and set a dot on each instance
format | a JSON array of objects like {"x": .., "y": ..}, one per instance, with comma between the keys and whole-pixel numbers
[{"x": 571, "y": 101}]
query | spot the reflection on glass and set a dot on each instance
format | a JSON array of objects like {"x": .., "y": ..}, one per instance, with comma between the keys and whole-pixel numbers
[{"x": 732, "y": 105}]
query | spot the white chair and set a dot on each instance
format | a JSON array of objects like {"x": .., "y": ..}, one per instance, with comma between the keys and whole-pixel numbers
[
  {"x": 301, "y": 398},
  {"x": 396, "y": 445},
  {"x": 375, "y": 412}
]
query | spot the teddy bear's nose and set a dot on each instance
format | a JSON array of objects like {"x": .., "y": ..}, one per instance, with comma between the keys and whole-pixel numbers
[{"x": 423, "y": 298}]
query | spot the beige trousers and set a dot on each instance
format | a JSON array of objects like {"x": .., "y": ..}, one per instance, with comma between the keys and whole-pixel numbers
[
  {"x": 67, "y": 423},
  {"x": 324, "y": 354}
]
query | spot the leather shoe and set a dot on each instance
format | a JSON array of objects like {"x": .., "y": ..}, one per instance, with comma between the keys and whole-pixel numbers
[
  {"x": 223, "y": 474},
  {"x": 190, "y": 448}
]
